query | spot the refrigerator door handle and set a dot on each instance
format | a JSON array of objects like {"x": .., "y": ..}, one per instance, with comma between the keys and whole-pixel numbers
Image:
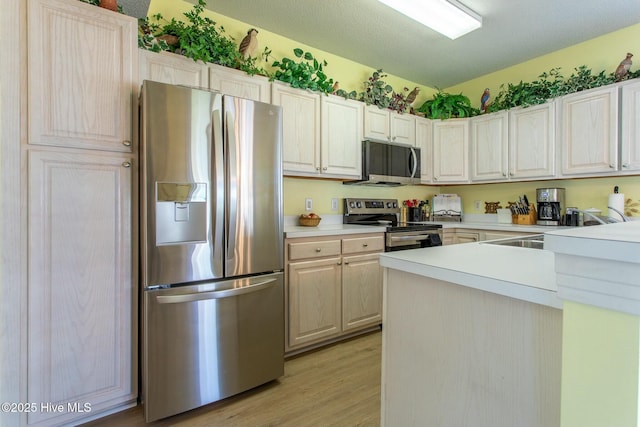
[
  {"x": 219, "y": 190},
  {"x": 232, "y": 184},
  {"x": 201, "y": 296}
]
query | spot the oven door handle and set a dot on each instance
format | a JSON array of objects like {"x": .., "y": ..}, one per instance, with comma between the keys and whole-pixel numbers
[{"x": 412, "y": 238}]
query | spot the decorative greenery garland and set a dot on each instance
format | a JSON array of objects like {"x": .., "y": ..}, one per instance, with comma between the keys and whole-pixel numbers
[{"x": 201, "y": 39}]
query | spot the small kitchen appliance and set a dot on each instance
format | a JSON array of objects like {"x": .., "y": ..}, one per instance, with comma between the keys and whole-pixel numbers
[
  {"x": 385, "y": 213},
  {"x": 447, "y": 207},
  {"x": 550, "y": 203}
]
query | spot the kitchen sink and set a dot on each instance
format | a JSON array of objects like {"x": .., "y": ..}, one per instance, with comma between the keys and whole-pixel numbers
[{"x": 533, "y": 242}]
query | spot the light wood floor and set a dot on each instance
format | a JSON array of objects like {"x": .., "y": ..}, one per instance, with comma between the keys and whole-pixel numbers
[{"x": 337, "y": 385}]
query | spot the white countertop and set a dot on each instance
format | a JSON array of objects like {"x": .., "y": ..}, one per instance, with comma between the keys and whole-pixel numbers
[
  {"x": 599, "y": 265},
  {"x": 332, "y": 225},
  {"x": 521, "y": 273},
  {"x": 618, "y": 241}
]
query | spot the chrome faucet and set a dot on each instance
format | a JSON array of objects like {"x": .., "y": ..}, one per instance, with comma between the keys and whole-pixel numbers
[{"x": 622, "y": 215}]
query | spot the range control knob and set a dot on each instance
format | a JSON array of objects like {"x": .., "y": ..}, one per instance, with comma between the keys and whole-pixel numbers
[
  {"x": 359, "y": 204},
  {"x": 352, "y": 205},
  {"x": 395, "y": 205}
]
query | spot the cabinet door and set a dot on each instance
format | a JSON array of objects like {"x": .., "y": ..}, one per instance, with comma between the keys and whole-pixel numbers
[
  {"x": 166, "y": 67},
  {"x": 451, "y": 150},
  {"x": 424, "y": 141},
  {"x": 403, "y": 128},
  {"x": 82, "y": 75},
  {"x": 81, "y": 304},
  {"x": 314, "y": 300},
  {"x": 630, "y": 129},
  {"x": 341, "y": 135},
  {"x": 489, "y": 147},
  {"x": 589, "y": 130},
  {"x": 466, "y": 237},
  {"x": 300, "y": 129},
  {"x": 238, "y": 83},
  {"x": 376, "y": 123},
  {"x": 532, "y": 142},
  {"x": 361, "y": 292}
]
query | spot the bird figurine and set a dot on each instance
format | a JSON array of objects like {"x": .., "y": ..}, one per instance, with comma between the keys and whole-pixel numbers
[
  {"x": 484, "y": 100},
  {"x": 249, "y": 43},
  {"x": 335, "y": 87},
  {"x": 623, "y": 68},
  {"x": 411, "y": 97}
]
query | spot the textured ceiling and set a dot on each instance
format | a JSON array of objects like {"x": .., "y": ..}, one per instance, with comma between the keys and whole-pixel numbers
[{"x": 370, "y": 33}]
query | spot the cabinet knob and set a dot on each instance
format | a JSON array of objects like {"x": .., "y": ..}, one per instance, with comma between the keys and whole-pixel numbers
[
  {"x": 612, "y": 166},
  {"x": 126, "y": 143},
  {"x": 324, "y": 168},
  {"x": 339, "y": 263},
  {"x": 435, "y": 178},
  {"x": 346, "y": 262},
  {"x": 365, "y": 245},
  {"x": 504, "y": 174},
  {"x": 126, "y": 164},
  {"x": 624, "y": 165},
  {"x": 317, "y": 168},
  {"x": 318, "y": 250}
]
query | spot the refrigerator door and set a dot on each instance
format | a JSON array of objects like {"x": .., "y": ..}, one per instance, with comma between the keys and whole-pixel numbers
[
  {"x": 182, "y": 191},
  {"x": 254, "y": 217},
  {"x": 207, "y": 342}
]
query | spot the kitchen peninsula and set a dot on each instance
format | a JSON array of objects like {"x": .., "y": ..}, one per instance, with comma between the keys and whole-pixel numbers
[{"x": 496, "y": 343}]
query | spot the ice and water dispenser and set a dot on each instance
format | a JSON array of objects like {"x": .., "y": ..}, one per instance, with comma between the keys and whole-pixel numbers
[{"x": 181, "y": 213}]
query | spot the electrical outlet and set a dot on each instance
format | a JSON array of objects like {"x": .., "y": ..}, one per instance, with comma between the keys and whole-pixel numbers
[
  {"x": 308, "y": 204},
  {"x": 477, "y": 205},
  {"x": 334, "y": 204}
]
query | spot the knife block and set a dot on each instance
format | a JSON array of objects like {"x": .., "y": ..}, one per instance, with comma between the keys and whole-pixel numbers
[{"x": 526, "y": 219}]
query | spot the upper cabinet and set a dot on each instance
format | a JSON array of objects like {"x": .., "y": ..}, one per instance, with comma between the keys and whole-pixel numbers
[
  {"x": 450, "y": 151},
  {"x": 532, "y": 142},
  {"x": 424, "y": 141},
  {"x": 385, "y": 125},
  {"x": 175, "y": 69},
  {"x": 630, "y": 129},
  {"x": 238, "y": 83},
  {"x": 589, "y": 132},
  {"x": 70, "y": 104},
  {"x": 341, "y": 136},
  {"x": 166, "y": 67},
  {"x": 490, "y": 147},
  {"x": 300, "y": 129}
]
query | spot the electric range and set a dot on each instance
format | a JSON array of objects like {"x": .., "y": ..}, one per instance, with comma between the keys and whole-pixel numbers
[{"x": 385, "y": 213}]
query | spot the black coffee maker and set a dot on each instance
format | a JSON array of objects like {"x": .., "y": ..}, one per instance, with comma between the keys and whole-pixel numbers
[{"x": 550, "y": 205}]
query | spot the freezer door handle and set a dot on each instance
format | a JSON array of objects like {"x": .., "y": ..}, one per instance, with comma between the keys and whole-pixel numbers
[{"x": 226, "y": 293}]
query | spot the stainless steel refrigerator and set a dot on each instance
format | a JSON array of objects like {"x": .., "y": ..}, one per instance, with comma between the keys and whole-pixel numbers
[{"x": 211, "y": 247}]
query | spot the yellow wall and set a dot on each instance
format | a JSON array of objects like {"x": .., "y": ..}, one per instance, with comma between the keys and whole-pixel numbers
[
  {"x": 599, "y": 367},
  {"x": 602, "y": 53}
]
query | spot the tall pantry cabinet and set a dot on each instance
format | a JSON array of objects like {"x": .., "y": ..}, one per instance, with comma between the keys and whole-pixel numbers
[{"x": 80, "y": 150}]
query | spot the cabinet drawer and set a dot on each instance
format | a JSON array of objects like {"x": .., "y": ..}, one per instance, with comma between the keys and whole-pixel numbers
[
  {"x": 362, "y": 244},
  {"x": 314, "y": 249}
]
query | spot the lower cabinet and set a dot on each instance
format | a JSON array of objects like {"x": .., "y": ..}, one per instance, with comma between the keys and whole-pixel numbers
[
  {"x": 81, "y": 305},
  {"x": 452, "y": 236},
  {"x": 334, "y": 287}
]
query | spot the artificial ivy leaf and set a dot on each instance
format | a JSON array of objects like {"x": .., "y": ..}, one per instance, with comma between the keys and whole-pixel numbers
[
  {"x": 297, "y": 52},
  {"x": 308, "y": 56}
]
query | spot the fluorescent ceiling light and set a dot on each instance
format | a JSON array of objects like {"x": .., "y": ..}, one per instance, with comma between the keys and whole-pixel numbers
[{"x": 448, "y": 17}]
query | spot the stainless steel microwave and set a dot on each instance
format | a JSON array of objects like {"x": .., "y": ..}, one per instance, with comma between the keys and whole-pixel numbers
[{"x": 389, "y": 164}]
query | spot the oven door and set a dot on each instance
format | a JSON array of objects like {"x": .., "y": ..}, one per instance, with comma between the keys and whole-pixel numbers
[{"x": 402, "y": 240}]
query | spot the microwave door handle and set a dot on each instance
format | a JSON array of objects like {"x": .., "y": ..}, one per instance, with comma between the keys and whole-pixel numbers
[{"x": 414, "y": 157}]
